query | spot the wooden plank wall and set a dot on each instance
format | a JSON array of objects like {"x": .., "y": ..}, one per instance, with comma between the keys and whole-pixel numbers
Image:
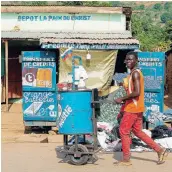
[
  {"x": 169, "y": 73},
  {"x": 15, "y": 74}
]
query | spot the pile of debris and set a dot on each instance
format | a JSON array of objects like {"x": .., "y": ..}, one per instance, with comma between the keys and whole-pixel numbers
[
  {"x": 109, "y": 138},
  {"x": 108, "y": 125},
  {"x": 109, "y": 111}
]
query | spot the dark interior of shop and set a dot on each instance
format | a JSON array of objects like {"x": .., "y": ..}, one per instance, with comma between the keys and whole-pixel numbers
[{"x": 15, "y": 66}]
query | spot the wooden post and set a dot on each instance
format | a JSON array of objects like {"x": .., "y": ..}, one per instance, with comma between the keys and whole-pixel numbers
[{"x": 6, "y": 73}]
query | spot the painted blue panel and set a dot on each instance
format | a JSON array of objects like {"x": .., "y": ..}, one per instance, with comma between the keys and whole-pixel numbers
[
  {"x": 152, "y": 65},
  {"x": 39, "y": 76},
  {"x": 46, "y": 56},
  {"x": 76, "y": 112},
  {"x": 39, "y": 106},
  {"x": 153, "y": 101}
]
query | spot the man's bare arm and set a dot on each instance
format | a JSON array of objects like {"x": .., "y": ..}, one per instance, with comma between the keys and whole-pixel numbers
[{"x": 136, "y": 90}]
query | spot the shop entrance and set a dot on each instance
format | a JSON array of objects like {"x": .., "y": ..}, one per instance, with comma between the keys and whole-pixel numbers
[
  {"x": 15, "y": 65},
  {"x": 120, "y": 66}
]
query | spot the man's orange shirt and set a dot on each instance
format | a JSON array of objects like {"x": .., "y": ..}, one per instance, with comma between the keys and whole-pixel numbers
[{"x": 135, "y": 105}]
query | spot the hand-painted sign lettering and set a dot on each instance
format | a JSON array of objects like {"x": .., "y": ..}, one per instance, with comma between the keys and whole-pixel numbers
[
  {"x": 64, "y": 115},
  {"x": 38, "y": 97},
  {"x": 52, "y": 18}
]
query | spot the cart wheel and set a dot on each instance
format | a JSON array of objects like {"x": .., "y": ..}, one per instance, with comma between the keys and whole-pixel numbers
[{"x": 78, "y": 160}]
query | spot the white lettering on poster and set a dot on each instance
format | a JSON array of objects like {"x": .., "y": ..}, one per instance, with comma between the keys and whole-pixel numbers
[
  {"x": 149, "y": 77},
  {"x": 158, "y": 78},
  {"x": 29, "y": 97},
  {"x": 154, "y": 107},
  {"x": 44, "y": 83},
  {"x": 66, "y": 112},
  {"x": 151, "y": 98},
  {"x": 37, "y": 59},
  {"x": 149, "y": 60},
  {"x": 159, "y": 64},
  {"x": 38, "y": 64}
]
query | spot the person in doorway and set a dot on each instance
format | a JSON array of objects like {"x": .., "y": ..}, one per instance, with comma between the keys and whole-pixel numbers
[{"x": 133, "y": 112}]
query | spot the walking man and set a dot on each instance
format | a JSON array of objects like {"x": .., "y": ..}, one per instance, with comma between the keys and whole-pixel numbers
[{"x": 133, "y": 112}]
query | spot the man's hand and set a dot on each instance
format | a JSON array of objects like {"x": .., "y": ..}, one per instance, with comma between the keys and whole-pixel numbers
[{"x": 118, "y": 100}]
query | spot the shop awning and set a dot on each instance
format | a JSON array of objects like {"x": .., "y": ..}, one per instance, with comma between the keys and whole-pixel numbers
[
  {"x": 88, "y": 40},
  {"x": 78, "y": 40}
]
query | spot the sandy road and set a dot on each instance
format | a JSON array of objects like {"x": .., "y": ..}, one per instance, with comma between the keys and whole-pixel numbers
[{"x": 42, "y": 157}]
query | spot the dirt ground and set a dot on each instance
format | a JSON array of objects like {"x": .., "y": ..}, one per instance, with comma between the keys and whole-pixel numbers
[
  {"x": 35, "y": 157},
  {"x": 11, "y": 123},
  {"x": 42, "y": 157}
]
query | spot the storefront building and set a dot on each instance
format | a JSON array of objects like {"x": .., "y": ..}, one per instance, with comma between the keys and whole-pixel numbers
[{"x": 104, "y": 32}]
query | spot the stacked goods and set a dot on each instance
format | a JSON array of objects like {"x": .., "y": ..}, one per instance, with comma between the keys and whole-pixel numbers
[{"x": 109, "y": 111}]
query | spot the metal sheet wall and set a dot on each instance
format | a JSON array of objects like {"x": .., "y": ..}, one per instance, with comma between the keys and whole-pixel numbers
[{"x": 152, "y": 65}]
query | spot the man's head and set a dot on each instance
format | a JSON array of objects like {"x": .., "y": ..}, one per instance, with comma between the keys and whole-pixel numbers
[{"x": 131, "y": 60}]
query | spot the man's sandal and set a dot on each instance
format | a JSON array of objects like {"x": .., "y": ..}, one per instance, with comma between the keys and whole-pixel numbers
[
  {"x": 122, "y": 163},
  {"x": 162, "y": 156}
]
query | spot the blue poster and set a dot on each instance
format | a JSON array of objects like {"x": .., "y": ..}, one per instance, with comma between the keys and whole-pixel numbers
[
  {"x": 38, "y": 56},
  {"x": 40, "y": 106},
  {"x": 39, "y": 76}
]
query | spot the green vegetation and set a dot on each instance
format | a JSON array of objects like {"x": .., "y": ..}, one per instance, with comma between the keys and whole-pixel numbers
[
  {"x": 151, "y": 21},
  {"x": 152, "y": 37},
  {"x": 168, "y": 30},
  {"x": 34, "y": 3},
  {"x": 167, "y": 6},
  {"x": 157, "y": 7},
  {"x": 153, "y": 27},
  {"x": 165, "y": 17}
]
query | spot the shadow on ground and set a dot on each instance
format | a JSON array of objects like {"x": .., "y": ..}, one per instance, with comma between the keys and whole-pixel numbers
[{"x": 37, "y": 130}]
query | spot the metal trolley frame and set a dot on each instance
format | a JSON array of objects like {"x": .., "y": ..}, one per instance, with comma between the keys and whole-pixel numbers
[{"x": 79, "y": 154}]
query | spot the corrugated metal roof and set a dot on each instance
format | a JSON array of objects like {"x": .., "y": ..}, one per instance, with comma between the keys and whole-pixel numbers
[
  {"x": 91, "y": 41},
  {"x": 20, "y": 35},
  {"x": 66, "y": 34},
  {"x": 62, "y": 9},
  {"x": 74, "y": 37}
]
